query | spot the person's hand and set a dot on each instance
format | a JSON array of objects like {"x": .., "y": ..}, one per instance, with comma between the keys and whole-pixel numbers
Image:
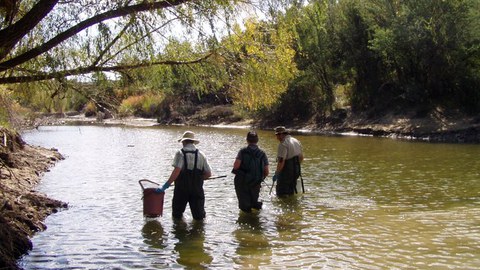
[
  {"x": 163, "y": 188},
  {"x": 274, "y": 178}
]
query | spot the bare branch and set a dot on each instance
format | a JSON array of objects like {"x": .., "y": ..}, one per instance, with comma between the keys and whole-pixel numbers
[{"x": 138, "y": 39}]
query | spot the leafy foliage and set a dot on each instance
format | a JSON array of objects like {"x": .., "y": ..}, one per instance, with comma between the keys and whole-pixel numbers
[
  {"x": 431, "y": 50},
  {"x": 49, "y": 39},
  {"x": 304, "y": 59},
  {"x": 391, "y": 54},
  {"x": 260, "y": 64}
]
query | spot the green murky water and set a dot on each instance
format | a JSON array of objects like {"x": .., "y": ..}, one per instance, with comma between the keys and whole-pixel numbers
[{"x": 369, "y": 204}]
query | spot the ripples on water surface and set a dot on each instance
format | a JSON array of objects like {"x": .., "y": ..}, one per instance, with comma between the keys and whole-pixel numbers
[{"x": 369, "y": 204}]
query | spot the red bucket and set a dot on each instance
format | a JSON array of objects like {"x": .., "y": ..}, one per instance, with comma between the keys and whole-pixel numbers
[{"x": 152, "y": 201}]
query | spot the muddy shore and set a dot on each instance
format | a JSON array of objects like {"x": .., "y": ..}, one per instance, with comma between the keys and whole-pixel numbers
[
  {"x": 436, "y": 126},
  {"x": 22, "y": 209}
]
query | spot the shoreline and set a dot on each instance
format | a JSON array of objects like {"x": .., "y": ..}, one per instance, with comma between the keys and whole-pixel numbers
[
  {"x": 435, "y": 129},
  {"x": 22, "y": 208}
]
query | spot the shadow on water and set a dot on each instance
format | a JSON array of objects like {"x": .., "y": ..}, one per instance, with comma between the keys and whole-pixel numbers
[
  {"x": 253, "y": 248},
  {"x": 190, "y": 244}
]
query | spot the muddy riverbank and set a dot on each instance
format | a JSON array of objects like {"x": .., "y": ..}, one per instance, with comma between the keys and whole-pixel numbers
[
  {"x": 435, "y": 126},
  {"x": 22, "y": 209}
]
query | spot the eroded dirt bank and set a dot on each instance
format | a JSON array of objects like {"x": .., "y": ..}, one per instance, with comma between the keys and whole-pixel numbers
[
  {"x": 22, "y": 209},
  {"x": 435, "y": 126}
]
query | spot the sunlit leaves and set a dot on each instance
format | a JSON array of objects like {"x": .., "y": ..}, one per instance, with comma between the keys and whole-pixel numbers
[{"x": 263, "y": 64}]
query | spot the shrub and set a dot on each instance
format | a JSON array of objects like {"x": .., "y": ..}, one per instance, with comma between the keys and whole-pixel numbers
[
  {"x": 90, "y": 109},
  {"x": 147, "y": 105}
]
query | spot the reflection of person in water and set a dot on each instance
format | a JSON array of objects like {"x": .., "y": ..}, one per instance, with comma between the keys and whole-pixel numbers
[
  {"x": 191, "y": 238},
  {"x": 253, "y": 249},
  {"x": 288, "y": 222},
  {"x": 152, "y": 233}
]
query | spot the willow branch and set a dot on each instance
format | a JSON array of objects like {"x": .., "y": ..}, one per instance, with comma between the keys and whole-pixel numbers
[
  {"x": 90, "y": 69},
  {"x": 107, "y": 48},
  {"x": 120, "y": 12},
  {"x": 11, "y": 35}
]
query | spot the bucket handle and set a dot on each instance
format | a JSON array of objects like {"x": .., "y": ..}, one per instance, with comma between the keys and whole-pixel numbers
[{"x": 146, "y": 180}]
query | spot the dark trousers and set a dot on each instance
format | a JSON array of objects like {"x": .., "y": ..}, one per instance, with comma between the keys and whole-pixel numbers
[
  {"x": 247, "y": 196},
  {"x": 287, "y": 180},
  {"x": 196, "y": 202},
  {"x": 189, "y": 189}
]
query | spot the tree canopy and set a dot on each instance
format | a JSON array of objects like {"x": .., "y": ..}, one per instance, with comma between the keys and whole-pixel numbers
[
  {"x": 47, "y": 39},
  {"x": 300, "y": 59}
]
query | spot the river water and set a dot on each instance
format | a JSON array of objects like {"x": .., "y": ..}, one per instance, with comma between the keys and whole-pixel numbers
[{"x": 369, "y": 203}]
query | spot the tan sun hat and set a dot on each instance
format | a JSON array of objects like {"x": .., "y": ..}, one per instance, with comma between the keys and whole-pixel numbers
[
  {"x": 280, "y": 130},
  {"x": 188, "y": 135}
]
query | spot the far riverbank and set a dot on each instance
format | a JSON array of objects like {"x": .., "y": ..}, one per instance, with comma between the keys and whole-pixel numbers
[{"x": 437, "y": 126}]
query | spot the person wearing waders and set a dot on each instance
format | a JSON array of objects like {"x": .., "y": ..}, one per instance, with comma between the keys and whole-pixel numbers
[
  {"x": 191, "y": 168},
  {"x": 250, "y": 168},
  {"x": 289, "y": 158}
]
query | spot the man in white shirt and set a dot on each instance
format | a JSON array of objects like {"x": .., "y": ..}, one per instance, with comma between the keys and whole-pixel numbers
[
  {"x": 289, "y": 158},
  {"x": 191, "y": 168}
]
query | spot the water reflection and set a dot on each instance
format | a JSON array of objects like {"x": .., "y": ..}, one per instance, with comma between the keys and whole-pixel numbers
[
  {"x": 253, "y": 248},
  {"x": 190, "y": 244},
  {"x": 288, "y": 217},
  {"x": 152, "y": 233}
]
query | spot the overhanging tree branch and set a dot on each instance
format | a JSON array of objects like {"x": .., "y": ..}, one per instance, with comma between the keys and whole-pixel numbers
[
  {"x": 86, "y": 70},
  {"x": 120, "y": 12},
  {"x": 11, "y": 35},
  {"x": 105, "y": 50},
  {"x": 133, "y": 43}
]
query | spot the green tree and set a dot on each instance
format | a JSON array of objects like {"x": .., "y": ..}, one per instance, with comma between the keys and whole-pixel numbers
[
  {"x": 359, "y": 60},
  {"x": 48, "y": 39},
  {"x": 260, "y": 64},
  {"x": 316, "y": 51},
  {"x": 431, "y": 50}
]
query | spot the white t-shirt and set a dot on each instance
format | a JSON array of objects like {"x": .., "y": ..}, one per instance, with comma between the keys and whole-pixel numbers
[
  {"x": 289, "y": 148},
  {"x": 202, "y": 162}
]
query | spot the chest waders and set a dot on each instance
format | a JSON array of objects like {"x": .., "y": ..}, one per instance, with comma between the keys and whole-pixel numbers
[
  {"x": 287, "y": 180},
  {"x": 189, "y": 189},
  {"x": 248, "y": 179}
]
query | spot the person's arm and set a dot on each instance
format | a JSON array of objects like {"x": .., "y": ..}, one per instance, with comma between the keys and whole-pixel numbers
[
  {"x": 280, "y": 165},
  {"x": 265, "y": 171},
  {"x": 174, "y": 175},
  {"x": 207, "y": 170},
  {"x": 281, "y": 157},
  {"x": 300, "y": 157},
  {"x": 207, "y": 174},
  {"x": 236, "y": 164}
]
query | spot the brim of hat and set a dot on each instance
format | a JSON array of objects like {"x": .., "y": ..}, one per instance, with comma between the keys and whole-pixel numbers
[{"x": 186, "y": 139}]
